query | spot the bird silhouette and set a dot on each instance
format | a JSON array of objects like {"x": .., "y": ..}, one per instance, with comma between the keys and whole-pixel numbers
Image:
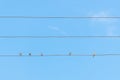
[
  {"x": 30, "y": 54},
  {"x": 70, "y": 53},
  {"x": 41, "y": 54},
  {"x": 94, "y": 54},
  {"x": 20, "y": 54}
]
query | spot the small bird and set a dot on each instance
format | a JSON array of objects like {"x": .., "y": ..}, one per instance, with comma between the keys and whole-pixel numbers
[
  {"x": 30, "y": 54},
  {"x": 41, "y": 54},
  {"x": 94, "y": 54},
  {"x": 20, "y": 54},
  {"x": 70, "y": 53}
]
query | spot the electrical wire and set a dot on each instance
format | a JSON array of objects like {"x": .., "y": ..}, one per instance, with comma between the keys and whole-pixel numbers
[
  {"x": 40, "y": 55},
  {"x": 67, "y": 17},
  {"x": 59, "y": 36}
]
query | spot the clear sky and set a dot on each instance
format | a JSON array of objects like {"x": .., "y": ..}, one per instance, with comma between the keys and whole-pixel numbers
[{"x": 60, "y": 68}]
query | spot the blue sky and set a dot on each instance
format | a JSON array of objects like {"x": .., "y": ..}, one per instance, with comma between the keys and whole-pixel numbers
[{"x": 60, "y": 68}]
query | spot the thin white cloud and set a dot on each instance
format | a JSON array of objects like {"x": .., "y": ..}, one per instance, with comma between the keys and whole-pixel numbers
[
  {"x": 111, "y": 31},
  {"x": 107, "y": 23},
  {"x": 101, "y": 14},
  {"x": 57, "y": 29}
]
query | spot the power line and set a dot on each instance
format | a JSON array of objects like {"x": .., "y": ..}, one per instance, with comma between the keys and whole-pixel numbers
[
  {"x": 59, "y": 36},
  {"x": 67, "y": 17},
  {"x": 59, "y": 55}
]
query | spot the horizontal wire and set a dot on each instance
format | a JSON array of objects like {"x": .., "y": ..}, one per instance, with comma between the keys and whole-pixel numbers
[
  {"x": 32, "y": 55},
  {"x": 72, "y": 17},
  {"x": 59, "y": 36}
]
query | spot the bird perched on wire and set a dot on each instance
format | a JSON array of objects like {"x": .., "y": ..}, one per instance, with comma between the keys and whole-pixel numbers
[
  {"x": 70, "y": 53},
  {"x": 30, "y": 54},
  {"x": 94, "y": 54},
  {"x": 41, "y": 54},
  {"x": 20, "y": 54}
]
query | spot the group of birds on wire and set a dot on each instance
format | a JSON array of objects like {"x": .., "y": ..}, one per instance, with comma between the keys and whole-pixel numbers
[{"x": 69, "y": 54}]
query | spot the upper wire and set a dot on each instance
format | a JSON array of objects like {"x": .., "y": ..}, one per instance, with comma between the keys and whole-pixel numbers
[
  {"x": 59, "y": 36},
  {"x": 67, "y": 17}
]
